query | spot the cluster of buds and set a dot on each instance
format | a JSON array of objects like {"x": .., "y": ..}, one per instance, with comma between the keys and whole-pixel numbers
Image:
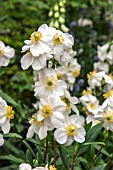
[{"x": 57, "y": 16}]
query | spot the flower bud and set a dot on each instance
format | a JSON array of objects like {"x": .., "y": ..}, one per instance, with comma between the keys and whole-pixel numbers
[
  {"x": 61, "y": 20},
  {"x": 61, "y": 4},
  {"x": 50, "y": 13},
  {"x": 64, "y": 28},
  {"x": 62, "y": 10},
  {"x": 56, "y": 15},
  {"x": 56, "y": 7},
  {"x": 56, "y": 24}
]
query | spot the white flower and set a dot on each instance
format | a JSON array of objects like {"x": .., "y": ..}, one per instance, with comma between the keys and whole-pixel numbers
[
  {"x": 6, "y": 53},
  {"x": 25, "y": 166},
  {"x": 85, "y": 22},
  {"x": 108, "y": 82},
  {"x": 70, "y": 130},
  {"x": 38, "y": 127},
  {"x": 101, "y": 66},
  {"x": 48, "y": 83},
  {"x": 40, "y": 41},
  {"x": 62, "y": 42},
  {"x": 37, "y": 62},
  {"x": 102, "y": 52},
  {"x": 1, "y": 140},
  {"x": 61, "y": 73},
  {"x": 94, "y": 78},
  {"x": 70, "y": 102},
  {"x": 108, "y": 103},
  {"x": 51, "y": 109},
  {"x": 6, "y": 113},
  {"x": 91, "y": 118}
]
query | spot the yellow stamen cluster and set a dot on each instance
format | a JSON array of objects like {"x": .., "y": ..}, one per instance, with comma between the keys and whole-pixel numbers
[
  {"x": 46, "y": 111},
  {"x": 85, "y": 110},
  {"x": 86, "y": 92},
  {"x": 50, "y": 82},
  {"x": 1, "y": 50},
  {"x": 67, "y": 102},
  {"x": 10, "y": 113},
  {"x": 52, "y": 167},
  {"x": 36, "y": 36},
  {"x": 58, "y": 39},
  {"x": 59, "y": 76},
  {"x": 71, "y": 130},
  {"x": 108, "y": 117},
  {"x": 91, "y": 74},
  {"x": 111, "y": 76},
  {"x": 76, "y": 72},
  {"x": 33, "y": 119},
  {"x": 92, "y": 106},
  {"x": 108, "y": 94}
]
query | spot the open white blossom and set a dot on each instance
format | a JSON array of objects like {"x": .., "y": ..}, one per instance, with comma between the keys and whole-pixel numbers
[
  {"x": 108, "y": 82},
  {"x": 25, "y": 166},
  {"x": 94, "y": 78},
  {"x": 6, "y": 113},
  {"x": 108, "y": 103},
  {"x": 1, "y": 140},
  {"x": 48, "y": 83},
  {"x": 51, "y": 109},
  {"x": 70, "y": 102},
  {"x": 70, "y": 130},
  {"x": 85, "y": 22},
  {"x": 38, "y": 127},
  {"x": 40, "y": 41},
  {"x": 101, "y": 66},
  {"x": 102, "y": 52},
  {"x": 6, "y": 53}
]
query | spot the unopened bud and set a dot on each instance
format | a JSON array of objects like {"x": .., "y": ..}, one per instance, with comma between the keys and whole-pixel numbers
[
  {"x": 56, "y": 7},
  {"x": 62, "y": 10},
  {"x": 56, "y": 15},
  {"x": 61, "y": 20},
  {"x": 64, "y": 28},
  {"x": 56, "y": 24},
  {"x": 50, "y": 13}
]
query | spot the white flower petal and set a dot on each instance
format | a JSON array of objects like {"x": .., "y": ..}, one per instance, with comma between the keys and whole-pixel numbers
[
  {"x": 26, "y": 60},
  {"x": 30, "y": 132},
  {"x": 60, "y": 136},
  {"x": 6, "y": 127}
]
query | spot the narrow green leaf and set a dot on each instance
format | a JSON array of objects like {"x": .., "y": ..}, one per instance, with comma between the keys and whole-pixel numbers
[
  {"x": 11, "y": 167},
  {"x": 13, "y": 135},
  {"x": 29, "y": 158},
  {"x": 12, "y": 147},
  {"x": 99, "y": 167},
  {"x": 33, "y": 141},
  {"x": 29, "y": 148},
  {"x": 64, "y": 157},
  {"x": 93, "y": 143},
  {"x": 12, "y": 158}
]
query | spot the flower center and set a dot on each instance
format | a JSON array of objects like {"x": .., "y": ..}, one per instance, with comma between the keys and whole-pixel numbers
[
  {"x": 10, "y": 112},
  {"x": 36, "y": 36},
  {"x": 86, "y": 92},
  {"x": 50, "y": 82},
  {"x": 46, "y": 111},
  {"x": 67, "y": 102},
  {"x": 1, "y": 50},
  {"x": 91, "y": 74},
  {"x": 58, "y": 39},
  {"x": 52, "y": 167},
  {"x": 111, "y": 76},
  {"x": 76, "y": 72},
  {"x": 72, "y": 130},
  {"x": 59, "y": 76},
  {"x": 33, "y": 119},
  {"x": 108, "y": 117},
  {"x": 92, "y": 106},
  {"x": 108, "y": 94}
]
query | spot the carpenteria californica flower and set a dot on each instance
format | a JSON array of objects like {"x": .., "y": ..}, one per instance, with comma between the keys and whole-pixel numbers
[
  {"x": 6, "y": 113},
  {"x": 6, "y": 53},
  {"x": 102, "y": 52},
  {"x": 40, "y": 41},
  {"x": 51, "y": 109},
  {"x": 70, "y": 130},
  {"x": 26, "y": 166},
  {"x": 38, "y": 127},
  {"x": 108, "y": 103},
  {"x": 1, "y": 140},
  {"x": 91, "y": 118},
  {"x": 108, "y": 82},
  {"x": 94, "y": 78},
  {"x": 101, "y": 66},
  {"x": 48, "y": 83},
  {"x": 70, "y": 102},
  {"x": 37, "y": 62}
]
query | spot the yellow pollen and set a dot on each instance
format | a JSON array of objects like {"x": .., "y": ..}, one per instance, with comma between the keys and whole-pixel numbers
[
  {"x": 76, "y": 72},
  {"x": 52, "y": 167},
  {"x": 1, "y": 50},
  {"x": 86, "y": 92},
  {"x": 71, "y": 130},
  {"x": 33, "y": 119},
  {"x": 46, "y": 111},
  {"x": 108, "y": 117},
  {"x": 91, "y": 74},
  {"x": 85, "y": 110},
  {"x": 50, "y": 82},
  {"x": 111, "y": 76},
  {"x": 58, "y": 39},
  {"x": 108, "y": 94},
  {"x": 59, "y": 76},
  {"x": 10, "y": 112},
  {"x": 92, "y": 106},
  {"x": 36, "y": 36},
  {"x": 67, "y": 102}
]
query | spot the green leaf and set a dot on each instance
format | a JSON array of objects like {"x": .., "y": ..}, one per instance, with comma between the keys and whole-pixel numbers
[
  {"x": 33, "y": 141},
  {"x": 12, "y": 147},
  {"x": 102, "y": 151},
  {"x": 99, "y": 167},
  {"x": 93, "y": 143},
  {"x": 13, "y": 135},
  {"x": 12, "y": 158},
  {"x": 64, "y": 157},
  {"x": 11, "y": 167},
  {"x": 29, "y": 158},
  {"x": 29, "y": 148}
]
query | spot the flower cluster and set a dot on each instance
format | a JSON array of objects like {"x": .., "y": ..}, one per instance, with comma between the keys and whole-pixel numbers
[
  {"x": 26, "y": 166},
  {"x": 55, "y": 103}
]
